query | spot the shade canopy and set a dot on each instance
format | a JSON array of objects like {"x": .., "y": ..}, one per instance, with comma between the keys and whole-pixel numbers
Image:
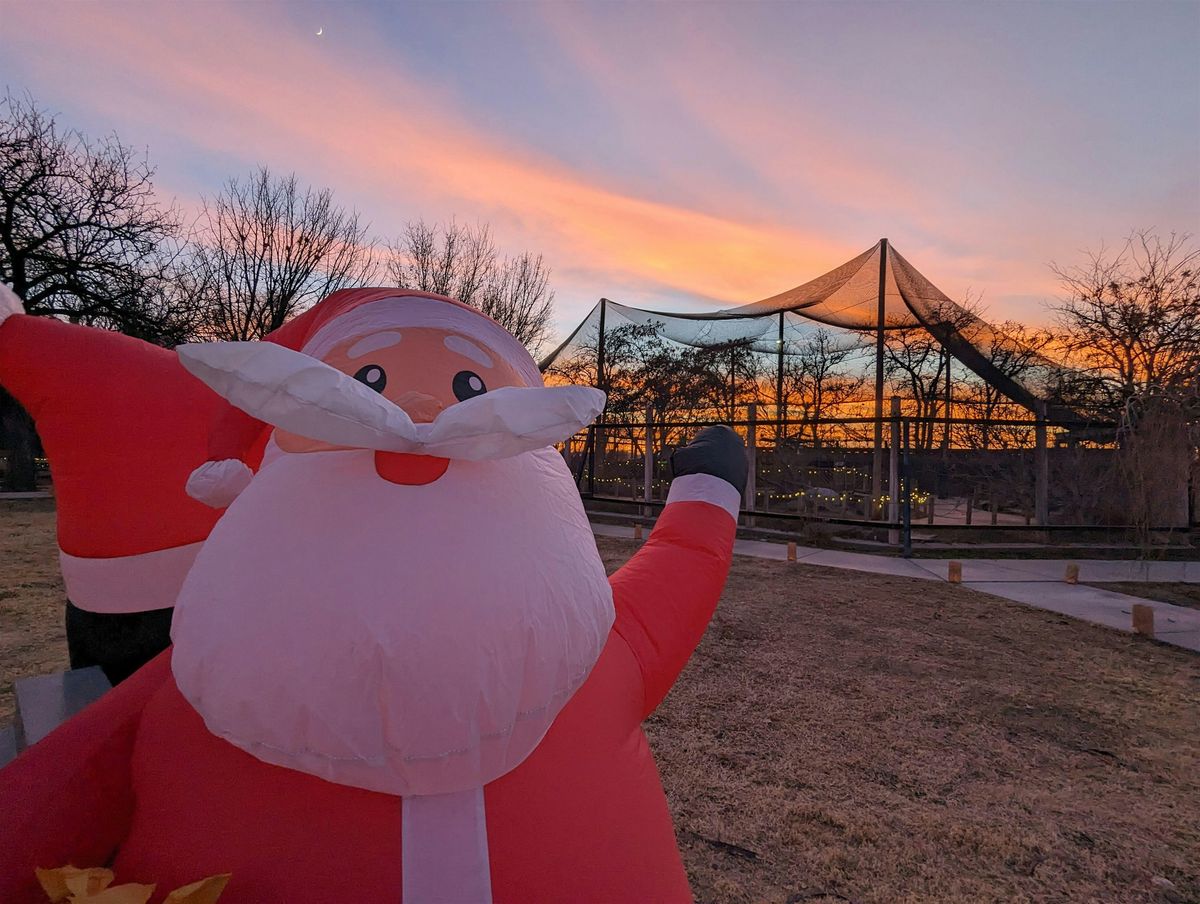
[{"x": 847, "y": 299}]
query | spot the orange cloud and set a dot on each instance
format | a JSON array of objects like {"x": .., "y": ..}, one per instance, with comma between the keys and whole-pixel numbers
[
  {"x": 373, "y": 132},
  {"x": 242, "y": 87}
]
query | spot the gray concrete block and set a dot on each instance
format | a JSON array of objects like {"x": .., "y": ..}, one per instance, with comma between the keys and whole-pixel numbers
[
  {"x": 8, "y": 745},
  {"x": 46, "y": 701}
]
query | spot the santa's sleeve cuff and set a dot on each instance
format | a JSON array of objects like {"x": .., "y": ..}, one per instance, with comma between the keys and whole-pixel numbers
[
  {"x": 9, "y": 303},
  {"x": 706, "y": 488},
  {"x": 218, "y": 483}
]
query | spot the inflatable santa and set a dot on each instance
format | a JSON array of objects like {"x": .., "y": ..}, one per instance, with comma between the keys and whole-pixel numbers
[
  {"x": 123, "y": 425},
  {"x": 398, "y": 668}
]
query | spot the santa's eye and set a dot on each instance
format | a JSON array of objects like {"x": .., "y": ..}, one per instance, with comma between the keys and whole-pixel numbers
[
  {"x": 373, "y": 376},
  {"x": 467, "y": 385}
]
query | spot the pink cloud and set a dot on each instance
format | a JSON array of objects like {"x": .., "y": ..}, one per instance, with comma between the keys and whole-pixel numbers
[
  {"x": 236, "y": 87},
  {"x": 241, "y": 86}
]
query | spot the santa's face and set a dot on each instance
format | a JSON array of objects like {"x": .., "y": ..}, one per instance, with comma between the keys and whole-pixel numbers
[
  {"x": 414, "y": 635},
  {"x": 423, "y": 370}
]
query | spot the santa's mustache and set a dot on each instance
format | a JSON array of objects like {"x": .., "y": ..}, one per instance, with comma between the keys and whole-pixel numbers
[{"x": 306, "y": 396}]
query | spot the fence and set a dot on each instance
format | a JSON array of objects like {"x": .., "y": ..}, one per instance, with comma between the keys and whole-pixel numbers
[{"x": 899, "y": 473}]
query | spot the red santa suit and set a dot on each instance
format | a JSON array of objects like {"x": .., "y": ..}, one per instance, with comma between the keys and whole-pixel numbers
[
  {"x": 122, "y": 425},
  {"x": 184, "y": 771}
]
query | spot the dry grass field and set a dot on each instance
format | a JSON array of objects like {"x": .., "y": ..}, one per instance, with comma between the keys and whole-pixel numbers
[{"x": 849, "y": 737}]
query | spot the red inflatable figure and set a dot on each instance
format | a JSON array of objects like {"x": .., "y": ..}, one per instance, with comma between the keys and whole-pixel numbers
[
  {"x": 123, "y": 425},
  {"x": 399, "y": 670}
]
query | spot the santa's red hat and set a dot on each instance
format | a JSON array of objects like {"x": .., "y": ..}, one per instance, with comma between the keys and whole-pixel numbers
[{"x": 344, "y": 315}]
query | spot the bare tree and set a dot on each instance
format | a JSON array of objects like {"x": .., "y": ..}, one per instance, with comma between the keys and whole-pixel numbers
[
  {"x": 816, "y": 376},
  {"x": 917, "y": 359},
  {"x": 266, "y": 249},
  {"x": 1017, "y": 352},
  {"x": 518, "y": 297},
  {"x": 1134, "y": 316},
  {"x": 82, "y": 235},
  {"x": 453, "y": 260},
  {"x": 462, "y": 262},
  {"x": 916, "y": 363},
  {"x": 641, "y": 368},
  {"x": 735, "y": 377}
]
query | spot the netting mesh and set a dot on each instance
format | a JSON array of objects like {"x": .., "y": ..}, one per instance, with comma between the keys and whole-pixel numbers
[
  {"x": 835, "y": 320},
  {"x": 847, "y": 297},
  {"x": 976, "y": 343}
]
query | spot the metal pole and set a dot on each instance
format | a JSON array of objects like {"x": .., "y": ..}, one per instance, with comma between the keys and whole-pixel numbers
[
  {"x": 648, "y": 471},
  {"x": 906, "y": 530},
  {"x": 949, "y": 402},
  {"x": 877, "y": 465},
  {"x": 600, "y": 350},
  {"x": 749, "y": 498},
  {"x": 732, "y": 383},
  {"x": 593, "y": 432},
  {"x": 893, "y": 509},
  {"x": 779, "y": 413}
]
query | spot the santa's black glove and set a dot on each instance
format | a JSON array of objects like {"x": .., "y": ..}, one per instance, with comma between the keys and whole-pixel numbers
[{"x": 717, "y": 451}]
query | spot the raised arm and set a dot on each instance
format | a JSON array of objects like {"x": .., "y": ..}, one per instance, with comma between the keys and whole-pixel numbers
[
  {"x": 123, "y": 425},
  {"x": 666, "y": 594},
  {"x": 68, "y": 798}
]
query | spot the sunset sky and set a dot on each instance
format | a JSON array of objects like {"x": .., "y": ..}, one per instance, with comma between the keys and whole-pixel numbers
[{"x": 674, "y": 155}]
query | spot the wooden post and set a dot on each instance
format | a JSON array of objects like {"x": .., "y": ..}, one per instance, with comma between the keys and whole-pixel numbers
[
  {"x": 1143, "y": 619},
  {"x": 995, "y": 510},
  {"x": 648, "y": 469},
  {"x": 954, "y": 573},
  {"x": 1041, "y": 469},
  {"x": 791, "y": 552},
  {"x": 893, "y": 509},
  {"x": 1072, "y": 576},
  {"x": 637, "y": 531},
  {"x": 751, "y": 494},
  {"x": 589, "y": 453},
  {"x": 970, "y": 506}
]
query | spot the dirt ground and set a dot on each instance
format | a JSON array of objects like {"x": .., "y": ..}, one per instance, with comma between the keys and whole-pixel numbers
[
  {"x": 32, "y": 639},
  {"x": 1163, "y": 591},
  {"x": 849, "y": 737}
]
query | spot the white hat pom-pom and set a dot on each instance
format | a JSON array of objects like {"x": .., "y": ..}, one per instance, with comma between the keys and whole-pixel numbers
[
  {"x": 218, "y": 483},
  {"x": 9, "y": 303}
]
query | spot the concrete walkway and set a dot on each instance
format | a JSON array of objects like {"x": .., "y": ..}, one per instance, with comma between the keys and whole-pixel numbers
[{"x": 1032, "y": 582}]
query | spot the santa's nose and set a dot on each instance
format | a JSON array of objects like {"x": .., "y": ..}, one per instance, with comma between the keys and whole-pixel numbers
[{"x": 420, "y": 407}]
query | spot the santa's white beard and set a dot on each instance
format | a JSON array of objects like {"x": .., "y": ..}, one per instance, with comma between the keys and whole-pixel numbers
[{"x": 405, "y": 639}]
